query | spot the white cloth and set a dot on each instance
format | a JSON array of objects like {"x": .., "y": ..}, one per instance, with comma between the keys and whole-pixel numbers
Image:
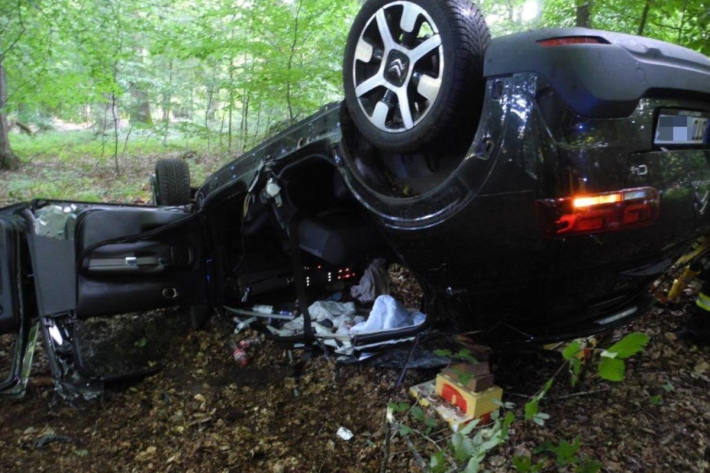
[{"x": 388, "y": 314}]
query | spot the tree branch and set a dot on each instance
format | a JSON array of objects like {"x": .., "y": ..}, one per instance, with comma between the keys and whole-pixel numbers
[{"x": 19, "y": 35}]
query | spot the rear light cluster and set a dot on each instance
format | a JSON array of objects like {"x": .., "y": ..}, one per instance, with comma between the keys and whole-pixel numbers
[
  {"x": 570, "y": 40},
  {"x": 599, "y": 213}
]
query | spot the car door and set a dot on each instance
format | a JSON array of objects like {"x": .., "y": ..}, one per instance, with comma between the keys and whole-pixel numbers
[{"x": 95, "y": 259}]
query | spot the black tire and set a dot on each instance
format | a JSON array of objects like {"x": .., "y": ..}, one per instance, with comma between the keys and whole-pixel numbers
[
  {"x": 454, "y": 87},
  {"x": 172, "y": 182}
]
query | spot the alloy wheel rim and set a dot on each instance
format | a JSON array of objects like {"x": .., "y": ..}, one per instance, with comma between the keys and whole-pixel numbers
[{"x": 398, "y": 66}]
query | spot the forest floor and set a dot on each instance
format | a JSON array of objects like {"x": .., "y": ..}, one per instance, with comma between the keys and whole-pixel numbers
[{"x": 202, "y": 412}]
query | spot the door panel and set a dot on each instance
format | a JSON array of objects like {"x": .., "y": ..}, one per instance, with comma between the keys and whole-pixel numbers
[
  {"x": 11, "y": 229},
  {"x": 137, "y": 259},
  {"x": 102, "y": 260}
]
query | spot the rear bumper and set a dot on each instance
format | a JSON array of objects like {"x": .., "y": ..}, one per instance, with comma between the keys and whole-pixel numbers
[{"x": 601, "y": 80}]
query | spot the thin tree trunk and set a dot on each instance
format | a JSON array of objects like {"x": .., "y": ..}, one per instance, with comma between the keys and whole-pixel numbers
[
  {"x": 167, "y": 99},
  {"x": 231, "y": 105},
  {"x": 125, "y": 142},
  {"x": 115, "y": 133},
  {"x": 258, "y": 122},
  {"x": 584, "y": 13},
  {"x": 644, "y": 18},
  {"x": 290, "y": 61},
  {"x": 140, "y": 109},
  {"x": 104, "y": 123},
  {"x": 209, "y": 111},
  {"x": 8, "y": 160},
  {"x": 245, "y": 117}
]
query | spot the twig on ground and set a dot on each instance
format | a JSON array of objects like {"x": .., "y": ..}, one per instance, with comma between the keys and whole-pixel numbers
[
  {"x": 388, "y": 436},
  {"x": 417, "y": 455}
]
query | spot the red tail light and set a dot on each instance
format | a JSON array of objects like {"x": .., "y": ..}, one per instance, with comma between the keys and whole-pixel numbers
[
  {"x": 569, "y": 40},
  {"x": 599, "y": 213}
]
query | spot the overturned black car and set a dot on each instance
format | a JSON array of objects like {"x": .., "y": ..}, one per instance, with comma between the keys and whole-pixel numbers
[{"x": 536, "y": 184}]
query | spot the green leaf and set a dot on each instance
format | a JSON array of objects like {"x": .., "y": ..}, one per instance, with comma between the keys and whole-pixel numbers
[
  {"x": 473, "y": 465},
  {"x": 566, "y": 451},
  {"x": 398, "y": 407},
  {"x": 576, "y": 367},
  {"x": 462, "y": 447},
  {"x": 507, "y": 422},
  {"x": 404, "y": 430},
  {"x": 668, "y": 387},
  {"x": 443, "y": 353},
  {"x": 656, "y": 400},
  {"x": 417, "y": 413},
  {"x": 589, "y": 466},
  {"x": 522, "y": 464},
  {"x": 468, "y": 428},
  {"x": 612, "y": 369},
  {"x": 571, "y": 351},
  {"x": 466, "y": 355},
  {"x": 437, "y": 462},
  {"x": 141, "y": 342},
  {"x": 630, "y": 345},
  {"x": 531, "y": 409},
  {"x": 540, "y": 418}
]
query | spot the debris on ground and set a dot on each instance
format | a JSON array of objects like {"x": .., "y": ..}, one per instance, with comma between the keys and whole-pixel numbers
[
  {"x": 341, "y": 327},
  {"x": 277, "y": 414},
  {"x": 345, "y": 434},
  {"x": 374, "y": 281}
]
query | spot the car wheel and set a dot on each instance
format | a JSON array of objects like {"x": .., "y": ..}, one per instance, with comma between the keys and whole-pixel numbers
[
  {"x": 171, "y": 183},
  {"x": 413, "y": 71}
]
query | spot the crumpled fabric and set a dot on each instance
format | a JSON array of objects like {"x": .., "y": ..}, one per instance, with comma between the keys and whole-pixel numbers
[
  {"x": 321, "y": 310},
  {"x": 372, "y": 283},
  {"x": 388, "y": 314}
]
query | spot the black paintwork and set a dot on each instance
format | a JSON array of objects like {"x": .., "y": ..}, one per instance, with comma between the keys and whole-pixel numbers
[{"x": 601, "y": 80}]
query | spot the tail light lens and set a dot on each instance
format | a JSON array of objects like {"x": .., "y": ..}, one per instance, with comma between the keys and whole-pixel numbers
[
  {"x": 599, "y": 213},
  {"x": 570, "y": 40}
]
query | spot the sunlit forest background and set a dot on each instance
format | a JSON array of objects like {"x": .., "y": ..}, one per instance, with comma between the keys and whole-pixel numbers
[{"x": 92, "y": 92}]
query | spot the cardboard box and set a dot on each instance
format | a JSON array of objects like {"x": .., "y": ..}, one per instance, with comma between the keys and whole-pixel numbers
[{"x": 425, "y": 394}]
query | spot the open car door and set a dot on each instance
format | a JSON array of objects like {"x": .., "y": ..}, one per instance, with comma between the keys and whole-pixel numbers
[{"x": 98, "y": 260}]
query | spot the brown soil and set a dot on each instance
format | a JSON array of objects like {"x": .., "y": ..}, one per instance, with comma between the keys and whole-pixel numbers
[{"x": 204, "y": 413}]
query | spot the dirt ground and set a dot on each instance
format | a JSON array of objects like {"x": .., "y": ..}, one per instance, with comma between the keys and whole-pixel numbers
[{"x": 204, "y": 413}]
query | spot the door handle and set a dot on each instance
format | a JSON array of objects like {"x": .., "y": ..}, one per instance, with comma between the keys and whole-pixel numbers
[{"x": 144, "y": 264}]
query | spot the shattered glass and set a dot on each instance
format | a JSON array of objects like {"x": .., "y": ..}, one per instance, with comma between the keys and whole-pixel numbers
[{"x": 56, "y": 221}]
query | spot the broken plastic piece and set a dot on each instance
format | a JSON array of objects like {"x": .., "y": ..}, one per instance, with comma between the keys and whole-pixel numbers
[{"x": 345, "y": 434}]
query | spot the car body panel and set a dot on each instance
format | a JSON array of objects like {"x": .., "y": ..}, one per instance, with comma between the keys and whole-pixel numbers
[{"x": 600, "y": 80}]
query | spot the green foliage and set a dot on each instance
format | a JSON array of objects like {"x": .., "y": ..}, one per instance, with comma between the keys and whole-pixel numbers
[
  {"x": 565, "y": 454},
  {"x": 612, "y": 366},
  {"x": 612, "y": 369},
  {"x": 437, "y": 462},
  {"x": 525, "y": 464},
  {"x": 629, "y": 345},
  {"x": 69, "y": 165},
  {"x": 462, "y": 355}
]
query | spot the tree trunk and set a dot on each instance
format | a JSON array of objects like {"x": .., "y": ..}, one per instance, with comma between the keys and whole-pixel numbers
[
  {"x": 140, "y": 111},
  {"x": 231, "y": 104},
  {"x": 167, "y": 100},
  {"x": 114, "y": 111},
  {"x": 8, "y": 160},
  {"x": 584, "y": 13},
  {"x": 290, "y": 61},
  {"x": 644, "y": 18}
]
